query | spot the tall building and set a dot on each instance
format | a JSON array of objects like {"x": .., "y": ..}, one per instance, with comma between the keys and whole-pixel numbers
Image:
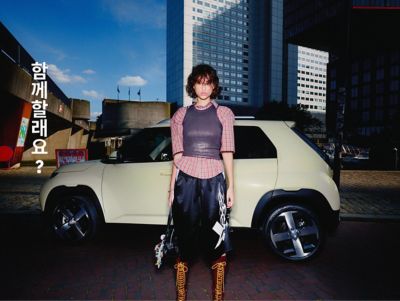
[
  {"x": 306, "y": 83},
  {"x": 311, "y": 79},
  {"x": 241, "y": 39},
  {"x": 364, "y": 59}
]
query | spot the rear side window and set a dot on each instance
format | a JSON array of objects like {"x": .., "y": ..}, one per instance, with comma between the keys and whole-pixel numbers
[{"x": 252, "y": 143}]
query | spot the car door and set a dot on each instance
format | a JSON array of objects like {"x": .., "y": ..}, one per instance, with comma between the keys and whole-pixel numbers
[
  {"x": 136, "y": 190},
  {"x": 255, "y": 169}
]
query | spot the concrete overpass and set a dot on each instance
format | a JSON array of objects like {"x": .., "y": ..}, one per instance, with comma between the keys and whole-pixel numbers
[{"x": 67, "y": 119}]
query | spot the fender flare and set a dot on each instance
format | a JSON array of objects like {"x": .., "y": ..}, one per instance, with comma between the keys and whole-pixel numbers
[
  {"x": 80, "y": 190},
  {"x": 314, "y": 200}
]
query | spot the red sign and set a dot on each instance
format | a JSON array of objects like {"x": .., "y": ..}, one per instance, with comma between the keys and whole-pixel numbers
[{"x": 71, "y": 156}]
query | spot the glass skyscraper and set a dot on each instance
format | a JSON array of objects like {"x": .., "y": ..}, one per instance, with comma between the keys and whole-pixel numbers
[{"x": 241, "y": 39}]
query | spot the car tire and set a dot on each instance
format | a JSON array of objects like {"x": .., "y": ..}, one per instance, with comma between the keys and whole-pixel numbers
[
  {"x": 73, "y": 218},
  {"x": 293, "y": 232}
]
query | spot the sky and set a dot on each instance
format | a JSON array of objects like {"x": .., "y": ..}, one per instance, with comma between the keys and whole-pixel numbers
[{"x": 93, "y": 46}]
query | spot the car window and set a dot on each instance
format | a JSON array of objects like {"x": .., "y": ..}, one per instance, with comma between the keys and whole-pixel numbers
[
  {"x": 148, "y": 145},
  {"x": 252, "y": 143}
]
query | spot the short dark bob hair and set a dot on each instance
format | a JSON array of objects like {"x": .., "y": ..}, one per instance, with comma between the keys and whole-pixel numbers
[{"x": 200, "y": 72}]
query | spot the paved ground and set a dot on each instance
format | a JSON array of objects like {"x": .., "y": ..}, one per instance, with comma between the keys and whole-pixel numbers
[
  {"x": 359, "y": 262},
  {"x": 370, "y": 195}
]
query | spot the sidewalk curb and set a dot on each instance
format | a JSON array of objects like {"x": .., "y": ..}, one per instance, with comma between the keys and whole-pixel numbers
[{"x": 369, "y": 217}]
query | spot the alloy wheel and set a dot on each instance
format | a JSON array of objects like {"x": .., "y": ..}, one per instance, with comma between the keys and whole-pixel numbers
[
  {"x": 72, "y": 220},
  {"x": 293, "y": 233}
]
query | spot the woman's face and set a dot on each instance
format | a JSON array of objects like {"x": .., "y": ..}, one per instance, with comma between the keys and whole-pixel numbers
[{"x": 203, "y": 89}]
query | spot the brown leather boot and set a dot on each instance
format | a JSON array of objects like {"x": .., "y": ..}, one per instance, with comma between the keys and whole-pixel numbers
[
  {"x": 181, "y": 279},
  {"x": 218, "y": 268}
]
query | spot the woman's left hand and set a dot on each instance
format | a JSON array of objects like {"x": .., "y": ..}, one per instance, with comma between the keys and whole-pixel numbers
[{"x": 230, "y": 197}]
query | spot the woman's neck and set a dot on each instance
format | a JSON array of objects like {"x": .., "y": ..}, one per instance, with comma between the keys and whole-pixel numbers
[{"x": 202, "y": 102}]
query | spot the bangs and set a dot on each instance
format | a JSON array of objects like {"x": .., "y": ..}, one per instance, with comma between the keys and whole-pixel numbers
[{"x": 204, "y": 79}]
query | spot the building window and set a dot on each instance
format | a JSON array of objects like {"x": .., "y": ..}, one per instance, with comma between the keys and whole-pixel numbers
[
  {"x": 394, "y": 85},
  {"x": 395, "y": 70},
  {"x": 380, "y": 74}
]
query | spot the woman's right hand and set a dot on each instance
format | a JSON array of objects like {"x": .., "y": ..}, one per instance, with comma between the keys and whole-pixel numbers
[{"x": 170, "y": 198}]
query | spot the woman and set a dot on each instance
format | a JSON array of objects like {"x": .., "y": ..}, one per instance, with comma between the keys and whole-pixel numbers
[{"x": 199, "y": 195}]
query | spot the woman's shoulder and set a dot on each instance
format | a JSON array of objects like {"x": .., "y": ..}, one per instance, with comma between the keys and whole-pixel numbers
[
  {"x": 225, "y": 112},
  {"x": 179, "y": 114}
]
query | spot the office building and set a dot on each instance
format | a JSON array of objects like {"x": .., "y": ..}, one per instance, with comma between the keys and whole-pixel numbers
[
  {"x": 364, "y": 59},
  {"x": 241, "y": 39}
]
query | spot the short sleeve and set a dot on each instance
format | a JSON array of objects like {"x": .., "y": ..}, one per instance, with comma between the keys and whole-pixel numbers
[
  {"x": 177, "y": 131},
  {"x": 227, "y": 119}
]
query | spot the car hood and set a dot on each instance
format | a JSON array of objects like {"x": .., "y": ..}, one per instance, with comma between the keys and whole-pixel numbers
[{"x": 77, "y": 167}]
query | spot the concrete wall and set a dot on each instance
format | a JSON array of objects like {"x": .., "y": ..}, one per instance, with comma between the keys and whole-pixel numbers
[
  {"x": 78, "y": 140},
  {"x": 15, "y": 80},
  {"x": 58, "y": 140},
  {"x": 133, "y": 114},
  {"x": 80, "y": 109}
]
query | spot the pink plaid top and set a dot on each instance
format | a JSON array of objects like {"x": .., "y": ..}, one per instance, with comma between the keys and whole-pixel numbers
[{"x": 203, "y": 168}]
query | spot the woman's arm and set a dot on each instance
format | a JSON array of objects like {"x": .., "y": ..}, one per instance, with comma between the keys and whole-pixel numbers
[
  {"x": 172, "y": 180},
  {"x": 228, "y": 163},
  {"x": 177, "y": 147},
  {"x": 227, "y": 149}
]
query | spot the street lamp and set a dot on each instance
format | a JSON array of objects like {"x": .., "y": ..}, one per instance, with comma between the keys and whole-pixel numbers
[{"x": 395, "y": 158}]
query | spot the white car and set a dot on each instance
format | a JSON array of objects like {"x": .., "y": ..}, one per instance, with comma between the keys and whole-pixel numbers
[{"x": 283, "y": 187}]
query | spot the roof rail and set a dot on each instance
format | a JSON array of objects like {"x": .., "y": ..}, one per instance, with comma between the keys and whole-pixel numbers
[{"x": 245, "y": 117}]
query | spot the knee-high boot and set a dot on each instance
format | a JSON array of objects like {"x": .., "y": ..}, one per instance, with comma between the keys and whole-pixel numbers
[
  {"x": 218, "y": 268},
  {"x": 181, "y": 279}
]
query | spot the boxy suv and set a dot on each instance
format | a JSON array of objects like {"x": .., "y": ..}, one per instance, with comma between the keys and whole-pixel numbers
[{"x": 283, "y": 187}]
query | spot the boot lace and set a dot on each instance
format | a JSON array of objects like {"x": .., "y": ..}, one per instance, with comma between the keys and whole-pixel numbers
[
  {"x": 219, "y": 286},
  {"x": 181, "y": 280}
]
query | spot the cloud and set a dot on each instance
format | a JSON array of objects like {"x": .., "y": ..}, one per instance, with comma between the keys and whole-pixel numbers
[
  {"x": 132, "y": 81},
  {"x": 92, "y": 94},
  {"x": 89, "y": 71},
  {"x": 150, "y": 12},
  {"x": 62, "y": 76},
  {"x": 58, "y": 53},
  {"x": 93, "y": 115}
]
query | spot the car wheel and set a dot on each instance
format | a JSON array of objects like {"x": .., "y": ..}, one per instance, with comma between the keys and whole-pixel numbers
[
  {"x": 293, "y": 232},
  {"x": 73, "y": 218}
]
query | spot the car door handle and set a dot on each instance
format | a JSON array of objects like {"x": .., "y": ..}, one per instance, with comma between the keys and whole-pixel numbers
[{"x": 165, "y": 173}]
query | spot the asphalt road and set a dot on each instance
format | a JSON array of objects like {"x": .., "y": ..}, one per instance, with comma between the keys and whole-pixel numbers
[{"x": 359, "y": 262}]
